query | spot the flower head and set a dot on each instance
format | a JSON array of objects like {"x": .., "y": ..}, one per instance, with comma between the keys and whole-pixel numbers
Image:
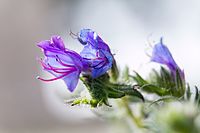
[
  {"x": 96, "y": 52},
  {"x": 162, "y": 55},
  {"x": 90, "y": 37},
  {"x": 61, "y": 62}
]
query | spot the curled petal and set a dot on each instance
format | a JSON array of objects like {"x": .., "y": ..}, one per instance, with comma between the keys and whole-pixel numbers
[{"x": 162, "y": 55}]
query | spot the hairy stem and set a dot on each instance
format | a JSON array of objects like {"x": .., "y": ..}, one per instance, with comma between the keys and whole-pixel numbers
[{"x": 130, "y": 114}]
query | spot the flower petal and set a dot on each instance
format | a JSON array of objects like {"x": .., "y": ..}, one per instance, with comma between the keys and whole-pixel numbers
[
  {"x": 88, "y": 52},
  {"x": 71, "y": 80},
  {"x": 90, "y": 37},
  {"x": 44, "y": 44},
  {"x": 61, "y": 62},
  {"x": 96, "y": 53},
  {"x": 161, "y": 54},
  {"x": 58, "y": 42}
]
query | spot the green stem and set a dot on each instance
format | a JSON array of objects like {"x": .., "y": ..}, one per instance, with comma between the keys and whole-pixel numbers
[{"x": 129, "y": 112}]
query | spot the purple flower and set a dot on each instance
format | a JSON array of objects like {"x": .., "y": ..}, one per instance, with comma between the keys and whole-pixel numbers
[
  {"x": 96, "y": 53},
  {"x": 162, "y": 55},
  {"x": 61, "y": 62}
]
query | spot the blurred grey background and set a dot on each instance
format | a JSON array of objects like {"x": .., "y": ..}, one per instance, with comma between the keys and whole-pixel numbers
[{"x": 30, "y": 106}]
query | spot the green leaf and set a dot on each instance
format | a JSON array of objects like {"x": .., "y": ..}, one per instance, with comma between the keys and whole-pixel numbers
[
  {"x": 180, "y": 85},
  {"x": 166, "y": 80},
  {"x": 150, "y": 88},
  {"x": 197, "y": 98},
  {"x": 114, "y": 93},
  {"x": 125, "y": 74},
  {"x": 127, "y": 90},
  {"x": 138, "y": 79},
  {"x": 188, "y": 92},
  {"x": 96, "y": 89},
  {"x": 114, "y": 72},
  {"x": 134, "y": 93},
  {"x": 165, "y": 99}
]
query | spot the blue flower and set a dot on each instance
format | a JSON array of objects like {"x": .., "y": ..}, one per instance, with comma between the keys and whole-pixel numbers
[
  {"x": 162, "y": 55},
  {"x": 63, "y": 63},
  {"x": 96, "y": 53},
  {"x": 95, "y": 59}
]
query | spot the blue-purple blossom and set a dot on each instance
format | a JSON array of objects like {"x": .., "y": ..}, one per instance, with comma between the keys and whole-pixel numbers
[
  {"x": 61, "y": 62},
  {"x": 162, "y": 55},
  {"x": 96, "y": 52}
]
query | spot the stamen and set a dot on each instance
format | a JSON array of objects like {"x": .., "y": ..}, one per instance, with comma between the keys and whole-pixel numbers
[
  {"x": 47, "y": 80},
  {"x": 59, "y": 60},
  {"x": 104, "y": 63},
  {"x": 56, "y": 69}
]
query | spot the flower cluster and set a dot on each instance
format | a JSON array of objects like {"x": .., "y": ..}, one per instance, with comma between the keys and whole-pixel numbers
[
  {"x": 95, "y": 59},
  {"x": 172, "y": 107},
  {"x": 93, "y": 62}
]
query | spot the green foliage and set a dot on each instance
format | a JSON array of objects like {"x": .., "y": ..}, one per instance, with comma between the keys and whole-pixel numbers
[
  {"x": 188, "y": 92},
  {"x": 167, "y": 113},
  {"x": 101, "y": 89},
  {"x": 161, "y": 83},
  {"x": 197, "y": 96},
  {"x": 114, "y": 72},
  {"x": 125, "y": 74},
  {"x": 175, "y": 118}
]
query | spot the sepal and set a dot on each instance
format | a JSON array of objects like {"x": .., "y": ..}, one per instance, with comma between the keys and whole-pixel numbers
[
  {"x": 162, "y": 83},
  {"x": 101, "y": 89}
]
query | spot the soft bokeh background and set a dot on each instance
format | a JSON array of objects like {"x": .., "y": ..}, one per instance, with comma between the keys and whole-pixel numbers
[{"x": 29, "y": 106}]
